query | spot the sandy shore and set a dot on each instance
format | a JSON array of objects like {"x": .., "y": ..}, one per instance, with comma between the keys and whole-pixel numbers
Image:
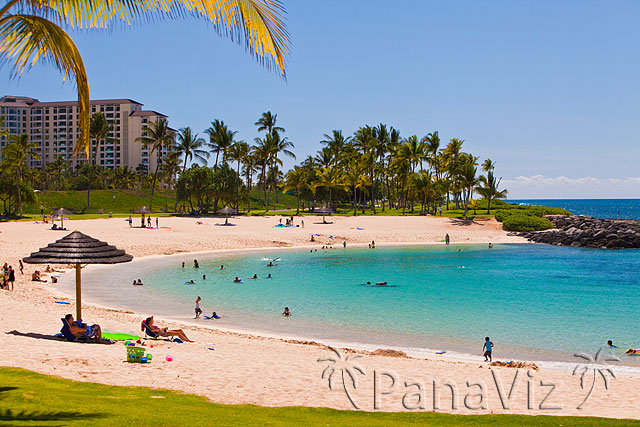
[{"x": 230, "y": 367}]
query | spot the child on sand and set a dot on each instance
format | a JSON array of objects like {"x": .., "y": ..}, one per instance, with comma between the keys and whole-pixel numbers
[
  {"x": 488, "y": 348},
  {"x": 198, "y": 309}
]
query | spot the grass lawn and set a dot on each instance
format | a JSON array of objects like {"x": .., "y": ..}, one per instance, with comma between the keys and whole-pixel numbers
[{"x": 30, "y": 399}]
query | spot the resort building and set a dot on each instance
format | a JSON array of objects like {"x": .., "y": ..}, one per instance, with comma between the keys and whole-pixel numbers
[{"x": 54, "y": 127}]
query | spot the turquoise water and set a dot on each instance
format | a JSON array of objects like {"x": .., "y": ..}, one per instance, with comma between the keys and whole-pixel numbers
[
  {"x": 598, "y": 208},
  {"x": 534, "y": 301}
]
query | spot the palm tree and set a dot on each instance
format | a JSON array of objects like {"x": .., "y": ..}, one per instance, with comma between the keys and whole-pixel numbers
[
  {"x": 15, "y": 155},
  {"x": 336, "y": 143},
  {"x": 220, "y": 139},
  {"x": 99, "y": 129},
  {"x": 267, "y": 122},
  {"x": 488, "y": 165},
  {"x": 239, "y": 152},
  {"x": 58, "y": 167},
  {"x": 190, "y": 146},
  {"x": 296, "y": 180},
  {"x": 31, "y": 31},
  {"x": 157, "y": 136},
  {"x": 489, "y": 189}
]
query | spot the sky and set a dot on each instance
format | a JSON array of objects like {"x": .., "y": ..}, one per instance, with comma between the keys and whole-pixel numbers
[{"x": 549, "y": 90}]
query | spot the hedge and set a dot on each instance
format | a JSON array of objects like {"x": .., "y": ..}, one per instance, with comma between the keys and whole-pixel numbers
[{"x": 524, "y": 222}]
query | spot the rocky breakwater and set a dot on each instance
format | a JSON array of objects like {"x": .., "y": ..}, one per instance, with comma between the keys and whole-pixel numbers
[{"x": 588, "y": 232}]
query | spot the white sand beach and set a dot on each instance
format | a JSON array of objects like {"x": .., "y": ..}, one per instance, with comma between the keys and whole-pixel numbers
[{"x": 232, "y": 367}]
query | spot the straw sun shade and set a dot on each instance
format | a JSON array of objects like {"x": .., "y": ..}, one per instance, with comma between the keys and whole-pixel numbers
[
  {"x": 60, "y": 213},
  {"x": 77, "y": 248},
  {"x": 323, "y": 210},
  {"x": 227, "y": 210}
]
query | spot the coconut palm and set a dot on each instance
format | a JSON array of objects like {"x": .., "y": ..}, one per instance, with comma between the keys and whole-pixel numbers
[
  {"x": 156, "y": 135},
  {"x": 239, "y": 152},
  {"x": 190, "y": 146},
  {"x": 31, "y": 30},
  {"x": 15, "y": 156},
  {"x": 267, "y": 122},
  {"x": 296, "y": 180},
  {"x": 488, "y": 165},
  {"x": 99, "y": 130},
  {"x": 220, "y": 139},
  {"x": 489, "y": 189}
]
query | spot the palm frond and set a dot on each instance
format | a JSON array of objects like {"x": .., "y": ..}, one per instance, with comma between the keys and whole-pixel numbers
[
  {"x": 256, "y": 24},
  {"x": 25, "y": 39}
]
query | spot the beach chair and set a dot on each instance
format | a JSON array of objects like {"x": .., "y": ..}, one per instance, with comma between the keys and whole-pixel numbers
[
  {"x": 66, "y": 332},
  {"x": 150, "y": 333}
]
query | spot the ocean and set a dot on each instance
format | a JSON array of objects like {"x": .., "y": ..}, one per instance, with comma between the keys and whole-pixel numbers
[
  {"x": 597, "y": 208},
  {"x": 536, "y": 302}
]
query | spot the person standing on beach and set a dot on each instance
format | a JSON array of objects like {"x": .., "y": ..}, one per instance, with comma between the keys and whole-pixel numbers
[
  {"x": 447, "y": 239},
  {"x": 12, "y": 278},
  {"x": 198, "y": 309},
  {"x": 130, "y": 222},
  {"x": 488, "y": 348},
  {"x": 302, "y": 223},
  {"x": 157, "y": 223},
  {"x": 21, "y": 266},
  {"x": 440, "y": 210}
]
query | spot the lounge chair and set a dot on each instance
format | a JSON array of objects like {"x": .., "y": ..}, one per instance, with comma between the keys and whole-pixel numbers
[
  {"x": 66, "y": 332},
  {"x": 150, "y": 333}
]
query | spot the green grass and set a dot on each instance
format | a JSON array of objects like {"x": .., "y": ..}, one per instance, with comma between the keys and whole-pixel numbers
[
  {"x": 31, "y": 399},
  {"x": 127, "y": 200},
  {"x": 76, "y": 201}
]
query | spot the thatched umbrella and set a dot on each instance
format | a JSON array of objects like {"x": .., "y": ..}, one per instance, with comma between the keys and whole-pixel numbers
[
  {"x": 227, "y": 210},
  {"x": 61, "y": 213},
  {"x": 323, "y": 210},
  {"x": 143, "y": 209},
  {"x": 77, "y": 248}
]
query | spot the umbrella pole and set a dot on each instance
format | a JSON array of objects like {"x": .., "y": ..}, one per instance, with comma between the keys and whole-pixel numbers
[{"x": 78, "y": 293}]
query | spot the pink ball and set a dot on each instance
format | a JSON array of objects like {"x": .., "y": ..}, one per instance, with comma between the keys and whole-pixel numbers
[{"x": 169, "y": 358}]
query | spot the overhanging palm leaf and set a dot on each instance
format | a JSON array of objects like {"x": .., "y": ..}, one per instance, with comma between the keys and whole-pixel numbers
[
  {"x": 257, "y": 24},
  {"x": 25, "y": 39}
]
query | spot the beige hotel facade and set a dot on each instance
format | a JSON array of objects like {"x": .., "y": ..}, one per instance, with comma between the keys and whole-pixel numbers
[{"x": 54, "y": 127}]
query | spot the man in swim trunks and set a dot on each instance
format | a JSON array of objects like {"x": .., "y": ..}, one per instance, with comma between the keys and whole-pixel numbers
[{"x": 78, "y": 329}]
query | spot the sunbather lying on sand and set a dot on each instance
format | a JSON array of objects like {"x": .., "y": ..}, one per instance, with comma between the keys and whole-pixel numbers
[{"x": 166, "y": 332}]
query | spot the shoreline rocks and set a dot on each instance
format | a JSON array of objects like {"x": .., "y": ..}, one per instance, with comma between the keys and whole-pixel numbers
[{"x": 587, "y": 232}]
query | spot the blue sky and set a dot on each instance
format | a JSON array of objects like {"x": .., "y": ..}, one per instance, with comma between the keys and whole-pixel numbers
[{"x": 549, "y": 90}]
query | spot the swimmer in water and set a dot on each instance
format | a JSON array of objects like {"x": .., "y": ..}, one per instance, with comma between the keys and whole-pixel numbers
[
  {"x": 237, "y": 280},
  {"x": 255, "y": 276},
  {"x": 195, "y": 264},
  {"x": 222, "y": 267},
  {"x": 204, "y": 277},
  {"x": 286, "y": 312},
  {"x": 191, "y": 282},
  {"x": 270, "y": 264},
  {"x": 269, "y": 276}
]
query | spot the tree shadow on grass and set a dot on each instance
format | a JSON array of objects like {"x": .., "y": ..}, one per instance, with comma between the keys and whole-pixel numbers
[
  {"x": 11, "y": 415},
  {"x": 24, "y": 415}
]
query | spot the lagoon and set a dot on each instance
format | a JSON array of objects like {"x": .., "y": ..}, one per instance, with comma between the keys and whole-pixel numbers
[{"x": 536, "y": 302}]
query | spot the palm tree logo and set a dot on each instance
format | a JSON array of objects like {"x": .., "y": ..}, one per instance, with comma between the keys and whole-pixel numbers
[
  {"x": 348, "y": 372},
  {"x": 600, "y": 358}
]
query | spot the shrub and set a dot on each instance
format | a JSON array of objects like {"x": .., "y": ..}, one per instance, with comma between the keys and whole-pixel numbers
[{"x": 524, "y": 222}]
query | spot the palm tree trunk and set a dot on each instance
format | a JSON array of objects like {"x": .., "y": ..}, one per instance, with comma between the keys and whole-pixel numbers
[
  {"x": 298, "y": 197},
  {"x": 18, "y": 191},
  {"x": 153, "y": 184},
  {"x": 238, "y": 188}
]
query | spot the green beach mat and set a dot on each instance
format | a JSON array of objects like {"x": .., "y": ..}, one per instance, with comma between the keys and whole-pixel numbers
[{"x": 119, "y": 336}]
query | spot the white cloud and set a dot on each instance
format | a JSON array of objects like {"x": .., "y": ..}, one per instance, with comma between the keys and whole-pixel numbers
[{"x": 562, "y": 187}]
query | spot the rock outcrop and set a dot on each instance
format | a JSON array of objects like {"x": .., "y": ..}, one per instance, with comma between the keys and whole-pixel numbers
[{"x": 588, "y": 232}]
